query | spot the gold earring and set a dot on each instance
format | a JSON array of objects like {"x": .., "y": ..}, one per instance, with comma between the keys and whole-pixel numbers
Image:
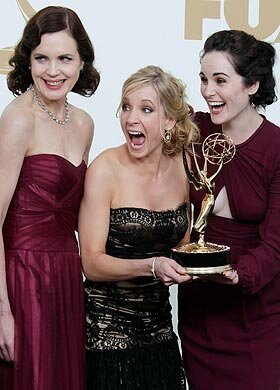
[{"x": 167, "y": 136}]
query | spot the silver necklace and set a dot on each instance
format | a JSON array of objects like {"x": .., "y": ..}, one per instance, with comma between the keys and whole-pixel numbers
[{"x": 45, "y": 108}]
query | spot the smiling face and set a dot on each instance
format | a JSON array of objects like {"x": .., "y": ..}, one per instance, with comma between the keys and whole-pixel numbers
[
  {"x": 143, "y": 121},
  {"x": 224, "y": 89},
  {"x": 55, "y": 65}
]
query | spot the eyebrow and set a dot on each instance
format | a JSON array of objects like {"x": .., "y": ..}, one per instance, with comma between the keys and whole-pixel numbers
[
  {"x": 45, "y": 55},
  {"x": 147, "y": 100},
  {"x": 216, "y": 74},
  {"x": 220, "y": 73},
  {"x": 142, "y": 100}
]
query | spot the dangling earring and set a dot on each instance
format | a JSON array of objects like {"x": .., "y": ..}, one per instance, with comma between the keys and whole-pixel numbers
[
  {"x": 251, "y": 100},
  {"x": 167, "y": 136}
]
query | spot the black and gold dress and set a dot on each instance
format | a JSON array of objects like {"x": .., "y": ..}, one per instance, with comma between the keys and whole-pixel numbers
[{"x": 130, "y": 341}]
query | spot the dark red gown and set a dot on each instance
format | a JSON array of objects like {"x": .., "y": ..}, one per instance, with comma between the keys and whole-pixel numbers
[
  {"x": 231, "y": 334},
  {"x": 44, "y": 277}
]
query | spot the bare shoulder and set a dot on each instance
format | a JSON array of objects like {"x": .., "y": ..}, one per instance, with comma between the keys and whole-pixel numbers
[
  {"x": 105, "y": 165},
  {"x": 84, "y": 125},
  {"x": 102, "y": 176},
  {"x": 83, "y": 119},
  {"x": 17, "y": 119}
]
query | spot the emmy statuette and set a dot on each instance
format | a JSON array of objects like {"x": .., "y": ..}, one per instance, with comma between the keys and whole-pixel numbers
[{"x": 201, "y": 257}]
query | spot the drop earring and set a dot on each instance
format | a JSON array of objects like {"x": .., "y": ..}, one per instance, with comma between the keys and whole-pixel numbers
[{"x": 167, "y": 136}]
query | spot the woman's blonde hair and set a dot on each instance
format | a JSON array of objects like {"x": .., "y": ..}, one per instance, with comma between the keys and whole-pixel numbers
[{"x": 172, "y": 97}]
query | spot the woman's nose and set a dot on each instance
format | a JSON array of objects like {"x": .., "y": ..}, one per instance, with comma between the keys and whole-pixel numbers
[
  {"x": 133, "y": 116},
  {"x": 209, "y": 89},
  {"x": 53, "y": 69}
]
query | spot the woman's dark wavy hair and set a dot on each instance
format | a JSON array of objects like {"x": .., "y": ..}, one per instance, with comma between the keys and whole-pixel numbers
[
  {"x": 49, "y": 20},
  {"x": 251, "y": 58}
]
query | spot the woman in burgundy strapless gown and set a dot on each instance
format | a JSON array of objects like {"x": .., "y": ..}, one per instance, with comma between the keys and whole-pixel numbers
[{"x": 44, "y": 146}]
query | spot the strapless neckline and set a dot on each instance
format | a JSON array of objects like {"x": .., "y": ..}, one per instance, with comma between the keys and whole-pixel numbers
[
  {"x": 179, "y": 207},
  {"x": 55, "y": 156}
]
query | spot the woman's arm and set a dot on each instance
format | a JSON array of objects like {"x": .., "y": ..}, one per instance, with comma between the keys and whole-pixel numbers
[
  {"x": 94, "y": 222},
  {"x": 87, "y": 128},
  {"x": 14, "y": 142},
  {"x": 261, "y": 264}
]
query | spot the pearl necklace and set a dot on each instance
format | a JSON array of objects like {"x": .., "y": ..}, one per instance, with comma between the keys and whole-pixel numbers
[{"x": 45, "y": 108}]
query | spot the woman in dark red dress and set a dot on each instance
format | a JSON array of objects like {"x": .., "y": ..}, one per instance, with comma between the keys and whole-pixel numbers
[
  {"x": 230, "y": 324},
  {"x": 44, "y": 146}
]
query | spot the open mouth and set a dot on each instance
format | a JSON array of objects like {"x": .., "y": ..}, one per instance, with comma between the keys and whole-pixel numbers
[
  {"x": 137, "y": 138},
  {"x": 216, "y": 107},
  {"x": 54, "y": 84}
]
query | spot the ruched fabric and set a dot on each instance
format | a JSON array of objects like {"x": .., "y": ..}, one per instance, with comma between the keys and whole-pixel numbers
[{"x": 44, "y": 277}]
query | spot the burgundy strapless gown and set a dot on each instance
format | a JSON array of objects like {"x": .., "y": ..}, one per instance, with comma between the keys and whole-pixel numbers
[{"x": 44, "y": 277}]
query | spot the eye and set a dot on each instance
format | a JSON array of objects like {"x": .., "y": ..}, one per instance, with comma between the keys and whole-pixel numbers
[
  {"x": 220, "y": 81},
  {"x": 147, "y": 110},
  {"x": 40, "y": 58},
  {"x": 65, "y": 59},
  {"x": 125, "y": 107},
  {"x": 203, "y": 79}
]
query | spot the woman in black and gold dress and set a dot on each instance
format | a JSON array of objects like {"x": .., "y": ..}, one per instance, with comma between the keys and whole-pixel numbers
[{"x": 135, "y": 209}]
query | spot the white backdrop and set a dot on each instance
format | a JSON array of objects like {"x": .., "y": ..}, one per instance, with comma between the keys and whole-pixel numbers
[{"x": 130, "y": 34}]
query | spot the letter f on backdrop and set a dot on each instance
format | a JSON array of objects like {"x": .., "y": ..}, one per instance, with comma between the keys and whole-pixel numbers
[
  {"x": 237, "y": 14},
  {"x": 195, "y": 12}
]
